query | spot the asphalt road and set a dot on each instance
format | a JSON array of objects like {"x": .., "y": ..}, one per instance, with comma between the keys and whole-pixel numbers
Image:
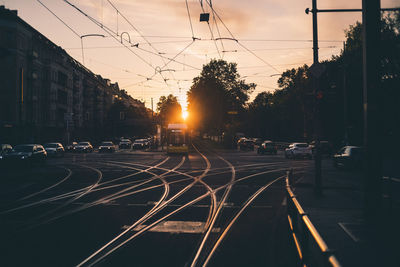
[{"x": 212, "y": 207}]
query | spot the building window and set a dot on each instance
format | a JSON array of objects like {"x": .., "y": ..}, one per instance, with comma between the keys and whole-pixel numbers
[
  {"x": 62, "y": 97},
  {"x": 62, "y": 78}
]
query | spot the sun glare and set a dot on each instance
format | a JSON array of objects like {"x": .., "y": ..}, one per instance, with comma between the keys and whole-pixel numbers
[{"x": 185, "y": 114}]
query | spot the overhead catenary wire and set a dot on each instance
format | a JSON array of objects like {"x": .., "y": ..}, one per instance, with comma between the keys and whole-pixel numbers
[
  {"x": 63, "y": 22},
  {"x": 107, "y": 30},
  {"x": 148, "y": 42},
  {"x": 190, "y": 20},
  {"x": 211, "y": 32}
]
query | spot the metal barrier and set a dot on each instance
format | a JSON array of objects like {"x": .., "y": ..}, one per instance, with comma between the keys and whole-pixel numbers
[{"x": 310, "y": 246}]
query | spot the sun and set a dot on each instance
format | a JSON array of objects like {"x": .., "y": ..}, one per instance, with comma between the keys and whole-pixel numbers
[{"x": 185, "y": 114}]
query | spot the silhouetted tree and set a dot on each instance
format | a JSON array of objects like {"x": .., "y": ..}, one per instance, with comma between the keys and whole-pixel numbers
[
  {"x": 217, "y": 90},
  {"x": 169, "y": 110}
]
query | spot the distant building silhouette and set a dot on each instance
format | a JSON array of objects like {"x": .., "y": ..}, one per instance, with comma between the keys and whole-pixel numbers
[{"x": 45, "y": 94}]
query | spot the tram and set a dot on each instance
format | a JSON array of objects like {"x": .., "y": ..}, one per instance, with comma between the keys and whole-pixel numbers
[{"x": 177, "y": 138}]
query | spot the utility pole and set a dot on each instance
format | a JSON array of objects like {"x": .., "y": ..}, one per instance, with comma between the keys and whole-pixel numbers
[
  {"x": 372, "y": 107},
  {"x": 346, "y": 134},
  {"x": 317, "y": 69},
  {"x": 152, "y": 110}
]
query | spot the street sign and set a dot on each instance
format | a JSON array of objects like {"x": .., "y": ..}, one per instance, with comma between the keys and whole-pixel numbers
[{"x": 317, "y": 69}]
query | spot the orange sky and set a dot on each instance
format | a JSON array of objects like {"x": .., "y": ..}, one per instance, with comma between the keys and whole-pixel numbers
[{"x": 277, "y": 32}]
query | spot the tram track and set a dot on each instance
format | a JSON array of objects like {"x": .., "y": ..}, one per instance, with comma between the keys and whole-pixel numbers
[
  {"x": 76, "y": 192},
  {"x": 111, "y": 246},
  {"x": 106, "y": 250},
  {"x": 196, "y": 192}
]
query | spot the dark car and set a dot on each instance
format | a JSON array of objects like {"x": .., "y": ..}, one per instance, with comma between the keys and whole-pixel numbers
[
  {"x": 71, "y": 147},
  {"x": 85, "y": 147},
  {"x": 139, "y": 144},
  {"x": 26, "y": 155},
  {"x": 258, "y": 141},
  {"x": 54, "y": 149},
  {"x": 5, "y": 149},
  {"x": 125, "y": 143},
  {"x": 106, "y": 146},
  {"x": 324, "y": 146},
  {"x": 268, "y": 147},
  {"x": 349, "y": 157},
  {"x": 246, "y": 144}
]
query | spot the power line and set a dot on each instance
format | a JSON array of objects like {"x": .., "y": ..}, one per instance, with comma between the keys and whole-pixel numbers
[
  {"x": 48, "y": 9},
  {"x": 209, "y": 27},
  {"x": 108, "y": 30},
  {"x": 233, "y": 37},
  {"x": 190, "y": 20}
]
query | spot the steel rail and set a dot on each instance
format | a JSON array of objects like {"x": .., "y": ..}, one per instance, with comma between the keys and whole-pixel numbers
[
  {"x": 43, "y": 201},
  {"x": 213, "y": 198},
  {"x": 244, "y": 206},
  {"x": 144, "y": 218},
  {"x": 50, "y": 187},
  {"x": 66, "y": 195},
  {"x": 74, "y": 192},
  {"x": 100, "y": 176},
  {"x": 217, "y": 212},
  {"x": 156, "y": 208},
  {"x": 111, "y": 197},
  {"x": 148, "y": 227}
]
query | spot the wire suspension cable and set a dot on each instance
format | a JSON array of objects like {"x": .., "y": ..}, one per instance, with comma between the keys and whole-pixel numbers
[
  {"x": 190, "y": 20},
  {"x": 40, "y": 2},
  {"x": 233, "y": 37}
]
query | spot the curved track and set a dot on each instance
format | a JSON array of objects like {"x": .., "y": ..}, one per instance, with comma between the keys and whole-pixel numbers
[{"x": 202, "y": 201}]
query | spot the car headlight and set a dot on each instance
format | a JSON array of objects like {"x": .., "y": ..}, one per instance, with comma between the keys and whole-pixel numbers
[
  {"x": 1, "y": 157},
  {"x": 23, "y": 157}
]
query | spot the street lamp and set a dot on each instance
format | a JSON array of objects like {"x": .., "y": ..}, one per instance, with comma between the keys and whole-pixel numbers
[{"x": 88, "y": 35}]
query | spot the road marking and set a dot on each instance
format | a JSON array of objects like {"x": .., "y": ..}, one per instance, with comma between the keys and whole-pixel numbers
[
  {"x": 176, "y": 227},
  {"x": 284, "y": 202},
  {"x": 348, "y": 232}
]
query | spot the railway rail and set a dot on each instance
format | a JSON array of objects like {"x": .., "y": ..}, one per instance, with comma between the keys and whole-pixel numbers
[{"x": 175, "y": 188}]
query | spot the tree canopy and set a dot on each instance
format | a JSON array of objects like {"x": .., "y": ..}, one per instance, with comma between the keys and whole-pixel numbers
[
  {"x": 288, "y": 113},
  {"x": 216, "y": 91},
  {"x": 169, "y": 110}
]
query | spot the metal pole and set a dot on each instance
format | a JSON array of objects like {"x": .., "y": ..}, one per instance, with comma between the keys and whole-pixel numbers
[
  {"x": 315, "y": 31},
  {"x": 372, "y": 108},
  {"x": 346, "y": 134},
  {"x": 317, "y": 125},
  {"x": 152, "y": 110},
  {"x": 83, "y": 58}
]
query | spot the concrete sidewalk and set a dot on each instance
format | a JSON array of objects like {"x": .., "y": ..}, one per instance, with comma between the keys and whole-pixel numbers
[{"x": 338, "y": 216}]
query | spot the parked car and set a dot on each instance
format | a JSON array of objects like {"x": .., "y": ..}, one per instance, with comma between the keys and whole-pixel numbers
[
  {"x": 267, "y": 147},
  {"x": 258, "y": 141},
  {"x": 139, "y": 144},
  {"x": 85, "y": 147},
  {"x": 5, "y": 149},
  {"x": 54, "y": 149},
  {"x": 298, "y": 150},
  {"x": 71, "y": 147},
  {"x": 26, "y": 155},
  {"x": 324, "y": 146},
  {"x": 125, "y": 143},
  {"x": 349, "y": 157},
  {"x": 106, "y": 146},
  {"x": 246, "y": 144}
]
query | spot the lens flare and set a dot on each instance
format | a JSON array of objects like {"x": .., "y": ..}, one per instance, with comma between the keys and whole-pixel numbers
[{"x": 185, "y": 114}]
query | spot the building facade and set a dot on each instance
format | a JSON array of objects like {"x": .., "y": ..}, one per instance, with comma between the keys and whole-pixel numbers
[{"x": 45, "y": 94}]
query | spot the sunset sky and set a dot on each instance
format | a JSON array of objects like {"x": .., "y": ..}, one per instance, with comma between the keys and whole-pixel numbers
[{"x": 273, "y": 35}]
